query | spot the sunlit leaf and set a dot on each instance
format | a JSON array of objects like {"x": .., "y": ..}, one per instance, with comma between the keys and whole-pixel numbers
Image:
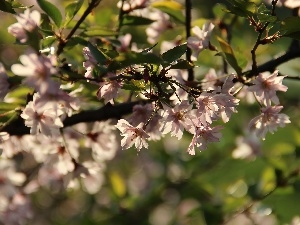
[
  {"x": 52, "y": 11},
  {"x": 241, "y": 8},
  {"x": 168, "y": 4},
  {"x": 290, "y": 27},
  {"x": 182, "y": 64},
  {"x": 97, "y": 54},
  {"x": 136, "y": 20},
  {"x": 173, "y": 54},
  {"x": 228, "y": 54},
  {"x": 71, "y": 10}
]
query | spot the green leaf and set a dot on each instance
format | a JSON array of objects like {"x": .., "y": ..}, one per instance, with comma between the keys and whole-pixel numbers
[
  {"x": 71, "y": 10},
  {"x": 98, "y": 32},
  {"x": 173, "y": 54},
  {"x": 285, "y": 205},
  {"x": 73, "y": 41},
  {"x": 136, "y": 20},
  {"x": 290, "y": 27},
  {"x": 132, "y": 58},
  {"x": 241, "y": 8},
  {"x": 97, "y": 54},
  {"x": 228, "y": 54},
  {"x": 182, "y": 64},
  {"x": 130, "y": 86},
  {"x": 52, "y": 11},
  {"x": 173, "y": 13},
  {"x": 6, "y": 7},
  {"x": 169, "y": 4},
  {"x": 264, "y": 14},
  {"x": 4, "y": 107}
]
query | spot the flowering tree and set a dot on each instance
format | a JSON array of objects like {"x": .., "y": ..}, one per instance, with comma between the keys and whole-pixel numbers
[{"x": 85, "y": 79}]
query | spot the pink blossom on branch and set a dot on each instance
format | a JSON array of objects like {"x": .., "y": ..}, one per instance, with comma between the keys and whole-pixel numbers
[
  {"x": 265, "y": 87},
  {"x": 37, "y": 69},
  {"x": 41, "y": 120},
  {"x": 27, "y": 22},
  {"x": 201, "y": 40},
  {"x": 176, "y": 119},
  {"x": 204, "y": 135},
  {"x": 132, "y": 135},
  {"x": 268, "y": 121}
]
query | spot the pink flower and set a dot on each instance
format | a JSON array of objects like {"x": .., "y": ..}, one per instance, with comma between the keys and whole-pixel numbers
[
  {"x": 207, "y": 107},
  {"x": 143, "y": 113},
  {"x": 204, "y": 135},
  {"x": 27, "y": 22},
  {"x": 90, "y": 62},
  {"x": 124, "y": 43},
  {"x": 287, "y": 3},
  {"x": 268, "y": 120},
  {"x": 4, "y": 85},
  {"x": 201, "y": 40},
  {"x": 37, "y": 69},
  {"x": 176, "y": 119},
  {"x": 41, "y": 120},
  {"x": 102, "y": 140},
  {"x": 109, "y": 90},
  {"x": 265, "y": 87},
  {"x": 133, "y": 4},
  {"x": 162, "y": 23},
  {"x": 132, "y": 135}
]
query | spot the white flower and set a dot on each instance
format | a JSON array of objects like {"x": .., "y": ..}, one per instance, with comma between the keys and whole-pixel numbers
[
  {"x": 90, "y": 62},
  {"x": 201, "y": 40},
  {"x": 109, "y": 90},
  {"x": 204, "y": 135},
  {"x": 176, "y": 119},
  {"x": 162, "y": 23},
  {"x": 37, "y": 69},
  {"x": 268, "y": 120},
  {"x": 41, "y": 120},
  {"x": 102, "y": 140},
  {"x": 27, "y": 22},
  {"x": 132, "y": 135},
  {"x": 265, "y": 87}
]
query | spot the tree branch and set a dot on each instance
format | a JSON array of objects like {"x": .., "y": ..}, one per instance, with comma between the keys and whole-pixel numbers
[{"x": 108, "y": 111}]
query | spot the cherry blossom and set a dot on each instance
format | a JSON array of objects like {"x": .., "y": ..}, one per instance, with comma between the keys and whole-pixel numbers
[
  {"x": 102, "y": 140},
  {"x": 162, "y": 23},
  {"x": 124, "y": 43},
  {"x": 268, "y": 121},
  {"x": 90, "y": 62},
  {"x": 4, "y": 85},
  {"x": 207, "y": 107},
  {"x": 109, "y": 90},
  {"x": 145, "y": 114},
  {"x": 204, "y": 135},
  {"x": 132, "y": 135},
  {"x": 27, "y": 22},
  {"x": 265, "y": 87},
  {"x": 37, "y": 69},
  {"x": 44, "y": 120},
  {"x": 201, "y": 40},
  {"x": 131, "y": 5},
  {"x": 176, "y": 119}
]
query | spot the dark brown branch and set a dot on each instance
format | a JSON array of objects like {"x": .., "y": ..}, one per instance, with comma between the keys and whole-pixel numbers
[
  {"x": 63, "y": 42},
  {"x": 108, "y": 111},
  {"x": 292, "y": 53},
  {"x": 188, "y": 19}
]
